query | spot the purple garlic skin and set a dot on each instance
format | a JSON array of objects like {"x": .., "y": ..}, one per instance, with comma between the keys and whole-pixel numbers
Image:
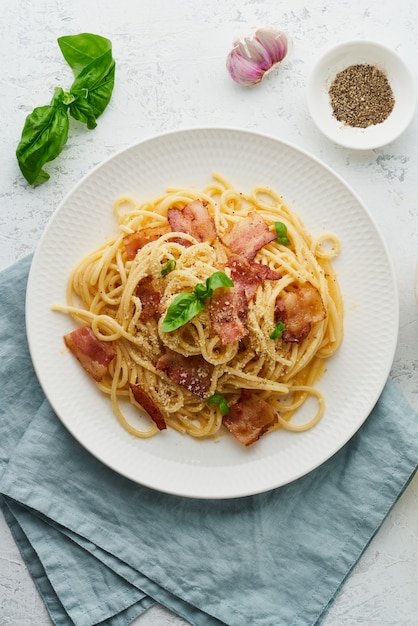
[{"x": 251, "y": 57}]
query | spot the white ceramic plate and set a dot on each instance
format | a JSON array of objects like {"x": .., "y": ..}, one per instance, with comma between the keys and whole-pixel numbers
[
  {"x": 170, "y": 462},
  {"x": 400, "y": 79}
]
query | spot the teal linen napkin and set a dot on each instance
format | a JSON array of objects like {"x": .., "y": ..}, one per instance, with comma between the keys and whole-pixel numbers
[{"x": 102, "y": 549}]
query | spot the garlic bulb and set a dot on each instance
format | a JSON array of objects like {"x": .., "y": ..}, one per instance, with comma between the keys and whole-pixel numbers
[{"x": 251, "y": 57}]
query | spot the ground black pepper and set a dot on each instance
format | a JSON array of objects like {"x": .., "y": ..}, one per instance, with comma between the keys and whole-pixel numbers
[{"x": 361, "y": 96}]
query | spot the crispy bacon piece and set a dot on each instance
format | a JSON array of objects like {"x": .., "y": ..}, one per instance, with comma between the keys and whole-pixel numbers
[
  {"x": 298, "y": 310},
  {"x": 247, "y": 276},
  {"x": 137, "y": 240},
  {"x": 148, "y": 405},
  {"x": 150, "y": 298},
  {"x": 264, "y": 272},
  {"x": 93, "y": 354},
  {"x": 191, "y": 372},
  {"x": 248, "y": 236},
  {"x": 181, "y": 241},
  {"x": 193, "y": 219},
  {"x": 229, "y": 308},
  {"x": 249, "y": 418},
  {"x": 228, "y": 314}
]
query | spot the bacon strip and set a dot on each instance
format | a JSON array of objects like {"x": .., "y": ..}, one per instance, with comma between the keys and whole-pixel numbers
[
  {"x": 249, "y": 418},
  {"x": 148, "y": 405},
  {"x": 228, "y": 314},
  {"x": 150, "y": 299},
  {"x": 298, "y": 310},
  {"x": 229, "y": 308},
  {"x": 193, "y": 219},
  {"x": 93, "y": 354},
  {"x": 191, "y": 372},
  {"x": 137, "y": 240},
  {"x": 248, "y": 236},
  {"x": 248, "y": 276}
]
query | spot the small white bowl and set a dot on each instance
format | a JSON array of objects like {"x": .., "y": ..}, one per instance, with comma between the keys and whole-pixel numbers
[{"x": 400, "y": 79}]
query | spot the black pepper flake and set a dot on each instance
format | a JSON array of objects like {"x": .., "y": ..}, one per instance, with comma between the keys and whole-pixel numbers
[{"x": 361, "y": 96}]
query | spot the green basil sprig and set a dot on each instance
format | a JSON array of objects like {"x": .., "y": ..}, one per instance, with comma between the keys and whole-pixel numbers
[
  {"x": 187, "y": 305},
  {"x": 219, "y": 399},
  {"x": 281, "y": 233},
  {"x": 46, "y": 129},
  {"x": 168, "y": 267},
  {"x": 278, "y": 331}
]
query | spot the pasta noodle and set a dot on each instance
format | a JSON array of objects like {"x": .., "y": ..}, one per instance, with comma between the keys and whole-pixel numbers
[{"x": 102, "y": 294}]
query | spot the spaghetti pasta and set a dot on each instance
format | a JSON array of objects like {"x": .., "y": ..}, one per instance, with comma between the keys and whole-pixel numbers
[{"x": 278, "y": 296}]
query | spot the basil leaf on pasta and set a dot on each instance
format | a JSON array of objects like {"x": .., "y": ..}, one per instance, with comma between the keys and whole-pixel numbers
[
  {"x": 187, "y": 305},
  {"x": 183, "y": 308},
  {"x": 216, "y": 280},
  {"x": 278, "y": 331},
  {"x": 281, "y": 233},
  {"x": 219, "y": 399},
  {"x": 168, "y": 267}
]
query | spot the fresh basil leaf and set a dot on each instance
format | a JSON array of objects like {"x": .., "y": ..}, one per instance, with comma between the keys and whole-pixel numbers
[
  {"x": 44, "y": 135},
  {"x": 215, "y": 280},
  {"x": 218, "y": 279},
  {"x": 168, "y": 267},
  {"x": 80, "y": 50},
  {"x": 67, "y": 98},
  {"x": 46, "y": 129},
  {"x": 92, "y": 90},
  {"x": 281, "y": 233},
  {"x": 201, "y": 291},
  {"x": 219, "y": 399},
  {"x": 184, "y": 307},
  {"x": 83, "y": 112},
  {"x": 278, "y": 331}
]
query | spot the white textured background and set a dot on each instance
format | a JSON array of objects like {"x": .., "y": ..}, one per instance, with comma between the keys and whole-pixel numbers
[{"x": 171, "y": 74}]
